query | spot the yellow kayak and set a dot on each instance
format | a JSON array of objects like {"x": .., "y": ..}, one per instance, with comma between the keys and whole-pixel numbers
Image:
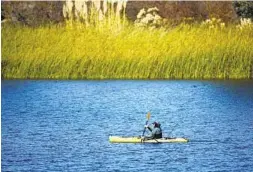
[{"x": 120, "y": 139}]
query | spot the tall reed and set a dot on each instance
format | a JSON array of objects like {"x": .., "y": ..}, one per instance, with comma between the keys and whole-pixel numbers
[{"x": 78, "y": 52}]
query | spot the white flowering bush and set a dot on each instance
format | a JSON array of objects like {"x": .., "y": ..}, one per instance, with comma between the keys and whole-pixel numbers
[
  {"x": 149, "y": 18},
  {"x": 213, "y": 23},
  {"x": 245, "y": 23}
]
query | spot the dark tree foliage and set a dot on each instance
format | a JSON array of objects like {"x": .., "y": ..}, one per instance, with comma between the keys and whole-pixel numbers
[
  {"x": 32, "y": 13},
  {"x": 244, "y": 9}
]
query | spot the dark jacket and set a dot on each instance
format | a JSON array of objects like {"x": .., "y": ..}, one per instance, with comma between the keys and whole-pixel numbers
[{"x": 156, "y": 133}]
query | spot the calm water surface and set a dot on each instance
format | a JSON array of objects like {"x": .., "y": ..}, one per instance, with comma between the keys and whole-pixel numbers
[{"x": 65, "y": 125}]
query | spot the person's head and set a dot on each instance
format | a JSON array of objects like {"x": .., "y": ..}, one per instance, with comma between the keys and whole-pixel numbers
[{"x": 156, "y": 124}]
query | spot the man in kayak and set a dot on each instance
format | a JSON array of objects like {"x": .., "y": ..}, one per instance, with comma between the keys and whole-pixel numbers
[{"x": 156, "y": 131}]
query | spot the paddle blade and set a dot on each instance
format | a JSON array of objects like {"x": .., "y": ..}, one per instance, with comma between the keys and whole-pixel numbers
[{"x": 148, "y": 116}]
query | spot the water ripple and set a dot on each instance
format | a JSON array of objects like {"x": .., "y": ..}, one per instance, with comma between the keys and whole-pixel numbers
[{"x": 65, "y": 125}]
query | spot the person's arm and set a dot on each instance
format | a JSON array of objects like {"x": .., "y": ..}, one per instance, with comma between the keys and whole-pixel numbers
[
  {"x": 150, "y": 129},
  {"x": 149, "y": 136},
  {"x": 152, "y": 134}
]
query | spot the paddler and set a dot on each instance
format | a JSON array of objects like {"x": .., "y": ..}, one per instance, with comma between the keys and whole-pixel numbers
[{"x": 156, "y": 131}]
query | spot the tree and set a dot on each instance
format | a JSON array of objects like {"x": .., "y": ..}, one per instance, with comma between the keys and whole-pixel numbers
[{"x": 244, "y": 9}]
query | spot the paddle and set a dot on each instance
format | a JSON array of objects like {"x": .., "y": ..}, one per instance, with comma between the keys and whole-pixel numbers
[{"x": 147, "y": 117}]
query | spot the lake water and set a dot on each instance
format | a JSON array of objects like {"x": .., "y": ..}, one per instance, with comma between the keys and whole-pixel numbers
[{"x": 65, "y": 125}]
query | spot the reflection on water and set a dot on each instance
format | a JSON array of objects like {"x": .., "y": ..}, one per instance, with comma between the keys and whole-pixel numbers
[{"x": 64, "y": 125}]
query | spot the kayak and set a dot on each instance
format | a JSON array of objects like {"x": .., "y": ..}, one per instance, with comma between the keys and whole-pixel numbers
[{"x": 119, "y": 139}]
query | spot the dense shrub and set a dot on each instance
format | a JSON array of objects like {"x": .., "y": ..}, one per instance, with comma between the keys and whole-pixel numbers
[{"x": 244, "y": 9}]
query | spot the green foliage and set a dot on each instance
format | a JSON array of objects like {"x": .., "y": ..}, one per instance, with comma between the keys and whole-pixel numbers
[
  {"x": 244, "y": 9},
  {"x": 78, "y": 52}
]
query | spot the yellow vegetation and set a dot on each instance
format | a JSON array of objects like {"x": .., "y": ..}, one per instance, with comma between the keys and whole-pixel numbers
[{"x": 105, "y": 52}]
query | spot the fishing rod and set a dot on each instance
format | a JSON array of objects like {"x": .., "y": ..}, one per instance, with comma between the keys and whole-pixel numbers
[{"x": 173, "y": 129}]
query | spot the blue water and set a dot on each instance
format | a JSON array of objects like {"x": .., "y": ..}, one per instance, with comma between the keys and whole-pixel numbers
[{"x": 65, "y": 125}]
